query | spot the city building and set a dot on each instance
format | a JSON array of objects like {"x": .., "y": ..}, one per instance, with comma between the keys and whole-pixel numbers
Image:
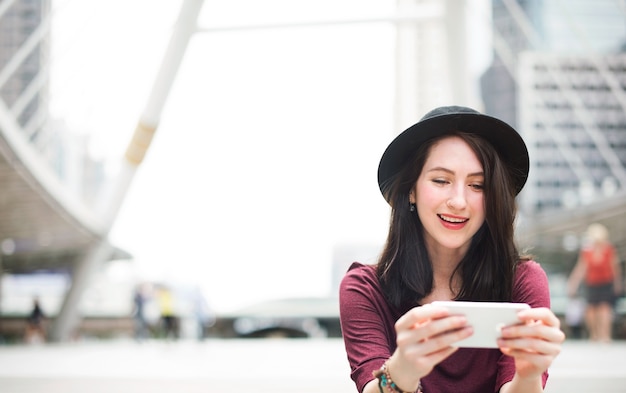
[
  {"x": 558, "y": 77},
  {"x": 24, "y": 54}
]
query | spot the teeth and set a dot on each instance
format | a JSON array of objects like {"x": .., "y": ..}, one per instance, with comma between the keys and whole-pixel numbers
[{"x": 454, "y": 220}]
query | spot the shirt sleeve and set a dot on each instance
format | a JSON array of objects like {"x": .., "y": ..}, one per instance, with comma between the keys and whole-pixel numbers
[{"x": 363, "y": 322}]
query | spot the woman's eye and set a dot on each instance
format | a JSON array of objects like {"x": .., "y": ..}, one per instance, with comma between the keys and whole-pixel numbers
[
  {"x": 477, "y": 186},
  {"x": 440, "y": 181}
]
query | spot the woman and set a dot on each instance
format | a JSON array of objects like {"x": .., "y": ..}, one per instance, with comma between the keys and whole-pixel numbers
[
  {"x": 598, "y": 264},
  {"x": 35, "y": 331},
  {"x": 451, "y": 181}
]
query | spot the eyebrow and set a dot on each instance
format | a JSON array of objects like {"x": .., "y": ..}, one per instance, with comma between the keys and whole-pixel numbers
[{"x": 439, "y": 168}]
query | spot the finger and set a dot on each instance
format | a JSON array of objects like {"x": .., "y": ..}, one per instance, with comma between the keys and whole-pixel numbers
[
  {"x": 419, "y": 315},
  {"x": 447, "y": 338},
  {"x": 442, "y": 331},
  {"x": 529, "y": 345},
  {"x": 536, "y": 329},
  {"x": 432, "y": 344},
  {"x": 540, "y": 314}
]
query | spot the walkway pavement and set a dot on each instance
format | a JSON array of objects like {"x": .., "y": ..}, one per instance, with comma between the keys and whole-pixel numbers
[{"x": 270, "y": 365}]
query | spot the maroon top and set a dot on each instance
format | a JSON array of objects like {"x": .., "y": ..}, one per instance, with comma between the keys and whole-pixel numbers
[{"x": 367, "y": 322}]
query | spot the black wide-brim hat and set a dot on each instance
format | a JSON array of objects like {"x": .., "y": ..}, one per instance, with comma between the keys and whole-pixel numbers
[{"x": 507, "y": 142}]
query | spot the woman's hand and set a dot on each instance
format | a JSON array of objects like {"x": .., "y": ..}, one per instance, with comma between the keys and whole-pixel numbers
[
  {"x": 534, "y": 344},
  {"x": 424, "y": 338}
]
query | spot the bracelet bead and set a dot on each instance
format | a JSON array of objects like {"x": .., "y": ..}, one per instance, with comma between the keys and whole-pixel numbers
[{"x": 385, "y": 381}]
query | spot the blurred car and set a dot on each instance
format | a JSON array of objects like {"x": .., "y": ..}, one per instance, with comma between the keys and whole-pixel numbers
[{"x": 287, "y": 318}]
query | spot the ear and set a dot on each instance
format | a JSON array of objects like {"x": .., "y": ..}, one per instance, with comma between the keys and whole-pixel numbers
[{"x": 411, "y": 197}]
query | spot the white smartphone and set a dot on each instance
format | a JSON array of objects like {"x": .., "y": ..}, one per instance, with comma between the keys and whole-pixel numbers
[{"x": 487, "y": 319}]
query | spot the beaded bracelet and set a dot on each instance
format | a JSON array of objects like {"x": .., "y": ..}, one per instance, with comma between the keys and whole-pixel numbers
[{"x": 385, "y": 381}]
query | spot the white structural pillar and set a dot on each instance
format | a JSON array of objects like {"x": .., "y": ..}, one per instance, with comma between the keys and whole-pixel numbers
[
  {"x": 432, "y": 66},
  {"x": 412, "y": 60},
  {"x": 185, "y": 27},
  {"x": 458, "y": 57}
]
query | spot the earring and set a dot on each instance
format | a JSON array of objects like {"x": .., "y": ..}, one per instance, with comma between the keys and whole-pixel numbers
[{"x": 412, "y": 207}]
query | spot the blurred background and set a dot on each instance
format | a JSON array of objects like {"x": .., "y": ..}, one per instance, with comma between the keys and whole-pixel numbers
[{"x": 194, "y": 169}]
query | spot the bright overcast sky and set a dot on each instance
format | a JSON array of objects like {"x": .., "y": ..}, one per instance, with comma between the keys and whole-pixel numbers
[{"x": 266, "y": 154}]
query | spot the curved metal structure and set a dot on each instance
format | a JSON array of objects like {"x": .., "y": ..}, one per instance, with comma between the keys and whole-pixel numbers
[{"x": 43, "y": 227}]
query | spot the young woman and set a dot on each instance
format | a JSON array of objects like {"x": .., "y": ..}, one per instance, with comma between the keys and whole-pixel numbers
[
  {"x": 451, "y": 181},
  {"x": 598, "y": 264}
]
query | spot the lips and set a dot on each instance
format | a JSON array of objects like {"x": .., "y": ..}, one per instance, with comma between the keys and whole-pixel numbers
[{"x": 452, "y": 222}]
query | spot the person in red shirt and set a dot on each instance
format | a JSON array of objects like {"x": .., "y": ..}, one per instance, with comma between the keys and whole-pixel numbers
[
  {"x": 598, "y": 264},
  {"x": 451, "y": 181}
]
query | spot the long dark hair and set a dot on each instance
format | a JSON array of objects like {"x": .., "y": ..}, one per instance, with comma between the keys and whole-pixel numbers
[{"x": 487, "y": 270}]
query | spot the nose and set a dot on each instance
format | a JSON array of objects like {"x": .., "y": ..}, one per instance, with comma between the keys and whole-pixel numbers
[{"x": 457, "y": 199}]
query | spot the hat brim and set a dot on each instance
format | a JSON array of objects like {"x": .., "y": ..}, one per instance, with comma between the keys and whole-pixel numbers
[{"x": 508, "y": 143}]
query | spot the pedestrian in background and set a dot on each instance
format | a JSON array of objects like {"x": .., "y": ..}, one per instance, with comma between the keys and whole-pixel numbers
[
  {"x": 598, "y": 265},
  {"x": 451, "y": 181},
  {"x": 169, "y": 322},
  {"x": 35, "y": 331},
  {"x": 139, "y": 312}
]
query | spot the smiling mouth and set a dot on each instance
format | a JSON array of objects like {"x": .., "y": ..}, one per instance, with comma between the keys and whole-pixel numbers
[{"x": 453, "y": 220}]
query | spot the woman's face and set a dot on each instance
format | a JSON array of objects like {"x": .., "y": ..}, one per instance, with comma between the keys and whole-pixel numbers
[{"x": 449, "y": 196}]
